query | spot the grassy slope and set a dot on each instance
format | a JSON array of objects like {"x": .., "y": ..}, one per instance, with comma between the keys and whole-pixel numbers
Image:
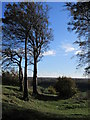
[{"x": 14, "y": 108}]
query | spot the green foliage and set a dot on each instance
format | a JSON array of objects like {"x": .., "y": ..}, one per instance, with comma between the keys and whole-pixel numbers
[
  {"x": 51, "y": 90},
  {"x": 10, "y": 78},
  {"x": 66, "y": 87},
  {"x": 48, "y": 90},
  {"x": 39, "y": 89}
]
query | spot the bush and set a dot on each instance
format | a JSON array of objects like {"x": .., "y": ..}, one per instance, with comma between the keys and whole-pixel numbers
[
  {"x": 66, "y": 87},
  {"x": 10, "y": 78},
  {"x": 40, "y": 89},
  {"x": 51, "y": 90}
]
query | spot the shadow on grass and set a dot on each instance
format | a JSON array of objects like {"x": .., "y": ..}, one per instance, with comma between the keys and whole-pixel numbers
[
  {"x": 49, "y": 97},
  {"x": 12, "y": 88},
  {"x": 13, "y": 112},
  {"x": 39, "y": 96},
  {"x": 45, "y": 97}
]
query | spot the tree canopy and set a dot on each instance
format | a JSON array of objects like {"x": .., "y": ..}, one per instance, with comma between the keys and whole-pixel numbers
[{"x": 80, "y": 23}]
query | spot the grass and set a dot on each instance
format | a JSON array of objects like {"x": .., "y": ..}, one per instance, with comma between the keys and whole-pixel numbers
[{"x": 43, "y": 107}]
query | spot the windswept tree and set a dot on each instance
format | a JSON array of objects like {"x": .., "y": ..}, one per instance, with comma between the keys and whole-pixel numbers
[
  {"x": 80, "y": 23},
  {"x": 17, "y": 19},
  {"x": 40, "y": 37}
]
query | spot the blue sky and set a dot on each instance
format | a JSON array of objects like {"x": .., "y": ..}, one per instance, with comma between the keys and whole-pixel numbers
[{"x": 57, "y": 60}]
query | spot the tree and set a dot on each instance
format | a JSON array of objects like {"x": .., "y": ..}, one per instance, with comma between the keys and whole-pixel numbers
[
  {"x": 17, "y": 19},
  {"x": 11, "y": 53},
  {"x": 65, "y": 87},
  {"x": 80, "y": 23},
  {"x": 27, "y": 23},
  {"x": 11, "y": 57},
  {"x": 40, "y": 37}
]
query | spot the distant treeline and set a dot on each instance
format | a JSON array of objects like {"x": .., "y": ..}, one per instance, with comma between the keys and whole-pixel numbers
[{"x": 82, "y": 83}]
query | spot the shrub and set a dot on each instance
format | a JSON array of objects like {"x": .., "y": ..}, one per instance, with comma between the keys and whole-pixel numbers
[
  {"x": 51, "y": 90},
  {"x": 66, "y": 87},
  {"x": 9, "y": 78},
  {"x": 40, "y": 89}
]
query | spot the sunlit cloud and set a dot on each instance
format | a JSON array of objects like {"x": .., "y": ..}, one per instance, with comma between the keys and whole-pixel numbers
[
  {"x": 49, "y": 53},
  {"x": 68, "y": 47}
]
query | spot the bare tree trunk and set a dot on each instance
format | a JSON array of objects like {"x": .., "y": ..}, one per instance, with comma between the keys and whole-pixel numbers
[
  {"x": 35, "y": 77},
  {"x": 20, "y": 75},
  {"x": 21, "y": 78},
  {"x": 25, "y": 75}
]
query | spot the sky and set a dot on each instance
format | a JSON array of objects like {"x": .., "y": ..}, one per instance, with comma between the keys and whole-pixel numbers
[{"x": 57, "y": 60}]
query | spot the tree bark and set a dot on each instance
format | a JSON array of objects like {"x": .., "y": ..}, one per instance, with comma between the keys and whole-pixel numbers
[
  {"x": 20, "y": 75},
  {"x": 35, "y": 77},
  {"x": 25, "y": 75},
  {"x": 21, "y": 78}
]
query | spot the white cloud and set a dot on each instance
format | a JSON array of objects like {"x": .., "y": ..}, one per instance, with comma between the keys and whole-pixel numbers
[
  {"x": 68, "y": 47},
  {"x": 77, "y": 52},
  {"x": 49, "y": 53}
]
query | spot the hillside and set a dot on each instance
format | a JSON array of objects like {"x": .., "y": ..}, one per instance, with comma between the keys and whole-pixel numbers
[{"x": 42, "y": 107}]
